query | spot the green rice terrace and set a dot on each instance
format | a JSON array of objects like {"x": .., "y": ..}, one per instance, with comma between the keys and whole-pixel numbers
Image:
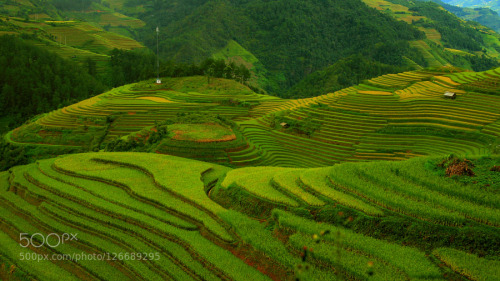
[
  {"x": 200, "y": 221},
  {"x": 391, "y": 117},
  {"x": 190, "y": 180}
]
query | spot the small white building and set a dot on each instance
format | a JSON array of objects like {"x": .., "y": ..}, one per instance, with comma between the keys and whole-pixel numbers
[
  {"x": 158, "y": 81},
  {"x": 450, "y": 95}
]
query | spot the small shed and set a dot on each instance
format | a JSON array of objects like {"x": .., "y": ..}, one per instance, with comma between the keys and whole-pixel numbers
[
  {"x": 285, "y": 125},
  {"x": 158, "y": 81},
  {"x": 450, "y": 95}
]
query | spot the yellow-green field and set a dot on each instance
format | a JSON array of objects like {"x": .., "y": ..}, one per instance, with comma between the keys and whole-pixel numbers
[
  {"x": 143, "y": 216},
  {"x": 392, "y": 117}
]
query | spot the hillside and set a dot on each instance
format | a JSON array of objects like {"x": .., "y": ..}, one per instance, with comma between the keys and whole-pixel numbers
[
  {"x": 492, "y": 4},
  {"x": 284, "y": 140},
  {"x": 284, "y": 47},
  {"x": 484, "y": 16},
  {"x": 34, "y": 80},
  {"x": 146, "y": 217},
  {"x": 80, "y": 35},
  {"x": 392, "y": 117}
]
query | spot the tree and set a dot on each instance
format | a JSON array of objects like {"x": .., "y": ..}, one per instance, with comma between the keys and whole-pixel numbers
[
  {"x": 210, "y": 73},
  {"x": 8, "y": 95},
  {"x": 91, "y": 66}
]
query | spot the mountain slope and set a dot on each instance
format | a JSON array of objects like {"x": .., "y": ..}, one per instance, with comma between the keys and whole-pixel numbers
[
  {"x": 394, "y": 116},
  {"x": 492, "y": 4},
  {"x": 166, "y": 217},
  {"x": 75, "y": 32},
  {"x": 292, "y": 39},
  {"x": 299, "y": 39}
]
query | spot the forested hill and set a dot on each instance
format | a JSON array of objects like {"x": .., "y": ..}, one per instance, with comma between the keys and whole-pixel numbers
[
  {"x": 493, "y": 4},
  {"x": 290, "y": 38},
  {"x": 285, "y": 41},
  {"x": 33, "y": 80},
  {"x": 484, "y": 16}
]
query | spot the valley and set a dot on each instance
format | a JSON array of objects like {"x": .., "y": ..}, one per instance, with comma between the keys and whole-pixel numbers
[{"x": 283, "y": 140}]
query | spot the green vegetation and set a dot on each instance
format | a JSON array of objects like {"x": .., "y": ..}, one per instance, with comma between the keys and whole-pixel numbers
[
  {"x": 145, "y": 203},
  {"x": 201, "y": 132},
  {"x": 391, "y": 117},
  {"x": 137, "y": 65},
  {"x": 35, "y": 81},
  {"x": 469, "y": 265},
  {"x": 346, "y": 72},
  {"x": 474, "y": 3},
  {"x": 369, "y": 173},
  {"x": 484, "y": 16}
]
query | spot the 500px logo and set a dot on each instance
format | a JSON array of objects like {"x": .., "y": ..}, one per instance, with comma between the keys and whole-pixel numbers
[{"x": 26, "y": 239}]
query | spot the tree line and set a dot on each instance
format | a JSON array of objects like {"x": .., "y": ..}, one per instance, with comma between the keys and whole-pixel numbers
[
  {"x": 137, "y": 65},
  {"x": 34, "y": 81}
]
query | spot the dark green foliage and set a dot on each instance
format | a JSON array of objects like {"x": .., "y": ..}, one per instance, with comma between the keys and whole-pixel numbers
[
  {"x": 137, "y": 65},
  {"x": 11, "y": 155},
  {"x": 33, "y": 80},
  {"x": 344, "y": 73},
  {"x": 71, "y": 4},
  {"x": 438, "y": 132},
  {"x": 484, "y": 16},
  {"x": 131, "y": 66},
  {"x": 291, "y": 38},
  {"x": 454, "y": 34},
  {"x": 305, "y": 126}
]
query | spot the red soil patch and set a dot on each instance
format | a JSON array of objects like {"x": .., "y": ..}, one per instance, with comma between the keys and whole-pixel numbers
[{"x": 131, "y": 113}]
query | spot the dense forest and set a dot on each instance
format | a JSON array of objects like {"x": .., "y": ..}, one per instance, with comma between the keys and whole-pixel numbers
[
  {"x": 137, "y": 65},
  {"x": 494, "y": 5},
  {"x": 454, "y": 33},
  {"x": 33, "y": 80},
  {"x": 346, "y": 72},
  {"x": 291, "y": 38},
  {"x": 484, "y": 16}
]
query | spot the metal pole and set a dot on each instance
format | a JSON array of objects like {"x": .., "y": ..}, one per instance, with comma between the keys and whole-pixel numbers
[{"x": 157, "y": 54}]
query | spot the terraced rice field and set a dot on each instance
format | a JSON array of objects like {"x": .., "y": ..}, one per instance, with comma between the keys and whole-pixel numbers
[
  {"x": 85, "y": 36},
  {"x": 117, "y": 20},
  {"x": 77, "y": 41},
  {"x": 157, "y": 217},
  {"x": 120, "y": 207},
  {"x": 374, "y": 188},
  {"x": 391, "y": 117}
]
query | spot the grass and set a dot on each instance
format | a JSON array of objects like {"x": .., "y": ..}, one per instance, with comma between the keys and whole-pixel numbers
[
  {"x": 116, "y": 214},
  {"x": 472, "y": 266},
  {"x": 183, "y": 209},
  {"x": 411, "y": 261},
  {"x": 201, "y": 132},
  {"x": 360, "y": 123}
]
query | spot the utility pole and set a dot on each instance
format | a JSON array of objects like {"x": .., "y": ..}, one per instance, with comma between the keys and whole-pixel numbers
[{"x": 158, "y": 81}]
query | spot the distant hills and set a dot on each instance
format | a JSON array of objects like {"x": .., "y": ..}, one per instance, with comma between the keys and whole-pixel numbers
[
  {"x": 75, "y": 30},
  {"x": 482, "y": 15},
  {"x": 493, "y": 4},
  {"x": 285, "y": 41},
  {"x": 282, "y": 42}
]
